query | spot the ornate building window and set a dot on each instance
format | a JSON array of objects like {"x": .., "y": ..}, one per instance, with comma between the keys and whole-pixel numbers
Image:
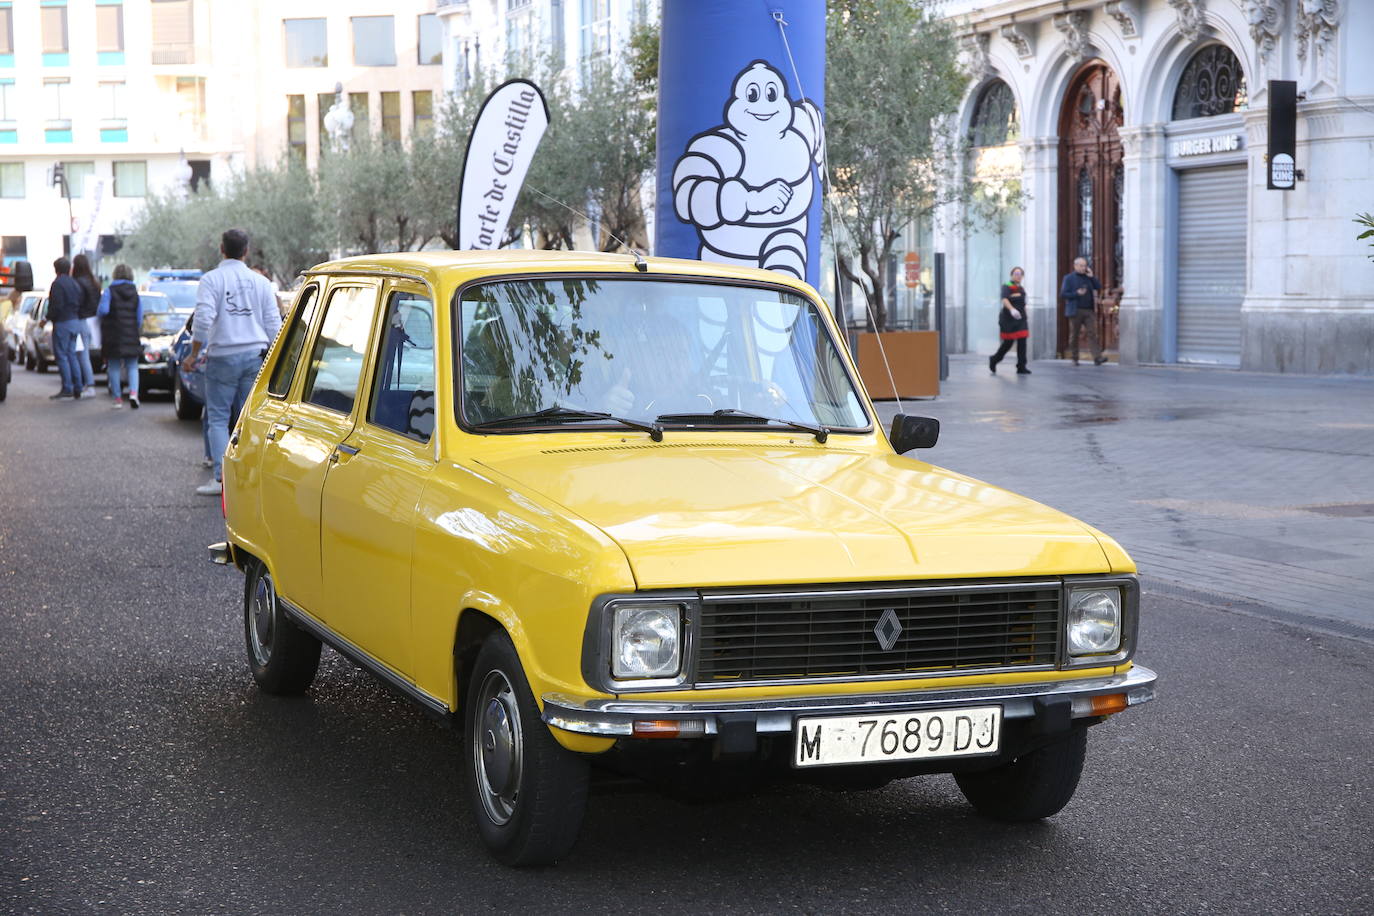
[
  {"x": 995, "y": 120},
  {"x": 1118, "y": 253},
  {"x": 1085, "y": 214},
  {"x": 1213, "y": 83}
]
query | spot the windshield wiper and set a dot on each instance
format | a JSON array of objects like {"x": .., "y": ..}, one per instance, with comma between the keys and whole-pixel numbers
[
  {"x": 729, "y": 413},
  {"x": 558, "y": 412}
]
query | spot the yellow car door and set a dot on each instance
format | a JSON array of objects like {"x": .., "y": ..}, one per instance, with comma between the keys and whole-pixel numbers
[
  {"x": 372, "y": 490},
  {"x": 307, "y": 434}
]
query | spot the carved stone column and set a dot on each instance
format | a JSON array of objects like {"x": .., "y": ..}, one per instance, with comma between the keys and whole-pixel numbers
[
  {"x": 1040, "y": 234},
  {"x": 1144, "y": 221}
]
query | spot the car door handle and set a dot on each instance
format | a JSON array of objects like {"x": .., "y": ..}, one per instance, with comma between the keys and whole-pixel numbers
[
  {"x": 277, "y": 429},
  {"x": 343, "y": 448}
]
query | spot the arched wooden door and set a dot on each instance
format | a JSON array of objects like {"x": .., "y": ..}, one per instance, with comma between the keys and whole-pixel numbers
[{"x": 1091, "y": 183}]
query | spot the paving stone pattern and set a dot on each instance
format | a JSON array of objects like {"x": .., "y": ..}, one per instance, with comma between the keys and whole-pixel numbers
[{"x": 1249, "y": 490}]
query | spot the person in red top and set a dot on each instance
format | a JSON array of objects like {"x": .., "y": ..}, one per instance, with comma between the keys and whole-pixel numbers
[{"x": 1011, "y": 321}]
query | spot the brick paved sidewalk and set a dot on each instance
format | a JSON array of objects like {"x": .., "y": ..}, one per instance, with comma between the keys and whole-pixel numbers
[{"x": 1251, "y": 490}]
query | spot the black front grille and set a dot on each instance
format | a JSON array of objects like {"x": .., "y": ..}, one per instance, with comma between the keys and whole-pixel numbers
[{"x": 942, "y": 630}]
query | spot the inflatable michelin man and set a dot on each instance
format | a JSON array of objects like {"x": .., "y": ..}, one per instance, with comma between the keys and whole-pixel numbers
[{"x": 747, "y": 184}]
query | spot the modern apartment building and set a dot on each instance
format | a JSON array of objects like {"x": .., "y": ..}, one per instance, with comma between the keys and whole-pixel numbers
[{"x": 134, "y": 96}]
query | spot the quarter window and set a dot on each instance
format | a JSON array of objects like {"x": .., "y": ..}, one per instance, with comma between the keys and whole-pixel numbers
[
  {"x": 285, "y": 369},
  {"x": 336, "y": 362},
  {"x": 403, "y": 389}
]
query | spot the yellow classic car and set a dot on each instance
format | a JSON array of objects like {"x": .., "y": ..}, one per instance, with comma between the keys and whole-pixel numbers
[{"x": 638, "y": 512}]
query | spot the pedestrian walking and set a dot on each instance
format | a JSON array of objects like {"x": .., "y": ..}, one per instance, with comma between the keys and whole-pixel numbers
[
  {"x": 64, "y": 311},
  {"x": 1079, "y": 292},
  {"x": 121, "y": 338},
  {"x": 1012, "y": 323},
  {"x": 90, "y": 302},
  {"x": 237, "y": 319}
]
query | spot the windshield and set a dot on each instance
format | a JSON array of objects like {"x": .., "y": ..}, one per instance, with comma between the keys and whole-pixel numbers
[
  {"x": 160, "y": 323},
  {"x": 643, "y": 349},
  {"x": 182, "y": 293}
]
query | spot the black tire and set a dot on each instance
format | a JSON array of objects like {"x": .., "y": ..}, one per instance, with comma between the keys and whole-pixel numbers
[
  {"x": 42, "y": 363},
  {"x": 529, "y": 798},
  {"x": 282, "y": 656},
  {"x": 187, "y": 407},
  {"x": 4, "y": 372},
  {"x": 1033, "y": 786},
  {"x": 29, "y": 363}
]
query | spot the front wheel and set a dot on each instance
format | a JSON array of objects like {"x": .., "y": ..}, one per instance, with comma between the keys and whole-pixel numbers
[
  {"x": 528, "y": 792},
  {"x": 1033, "y": 786},
  {"x": 282, "y": 656}
]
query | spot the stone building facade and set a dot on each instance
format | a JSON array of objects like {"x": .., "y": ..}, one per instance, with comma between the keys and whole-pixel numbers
[{"x": 1134, "y": 132}]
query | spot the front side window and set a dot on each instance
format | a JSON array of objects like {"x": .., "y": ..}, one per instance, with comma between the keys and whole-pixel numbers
[
  {"x": 374, "y": 41},
  {"x": 678, "y": 353},
  {"x": 285, "y": 369},
  {"x": 307, "y": 44},
  {"x": 403, "y": 387},
  {"x": 336, "y": 362}
]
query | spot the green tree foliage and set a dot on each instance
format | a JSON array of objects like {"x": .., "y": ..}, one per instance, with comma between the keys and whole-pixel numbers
[
  {"x": 1367, "y": 221},
  {"x": 893, "y": 80},
  {"x": 277, "y": 205}
]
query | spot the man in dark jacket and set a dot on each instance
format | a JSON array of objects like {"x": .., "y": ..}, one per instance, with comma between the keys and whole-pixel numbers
[
  {"x": 64, "y": 311},
  {"x": 1079, "y": 291}
]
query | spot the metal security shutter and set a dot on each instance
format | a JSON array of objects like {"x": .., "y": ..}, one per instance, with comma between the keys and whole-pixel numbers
[{"x": 1211, "y": 264}]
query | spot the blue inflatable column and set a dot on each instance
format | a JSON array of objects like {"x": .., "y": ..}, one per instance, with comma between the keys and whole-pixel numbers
[{"x": 740, "y": 133}]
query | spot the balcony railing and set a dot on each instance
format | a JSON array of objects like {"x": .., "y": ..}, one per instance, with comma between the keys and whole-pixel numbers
[{"x": 174, "y": 52}]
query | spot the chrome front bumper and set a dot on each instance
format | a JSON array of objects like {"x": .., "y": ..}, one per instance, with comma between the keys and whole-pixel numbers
[{"x": 616, "y": 718}]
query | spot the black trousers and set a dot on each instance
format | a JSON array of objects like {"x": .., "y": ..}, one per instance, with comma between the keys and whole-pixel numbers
[{"x": 1020, "y": 351}]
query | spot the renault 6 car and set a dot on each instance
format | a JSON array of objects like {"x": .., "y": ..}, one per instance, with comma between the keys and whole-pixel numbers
[{"x": 640, "y": 513}]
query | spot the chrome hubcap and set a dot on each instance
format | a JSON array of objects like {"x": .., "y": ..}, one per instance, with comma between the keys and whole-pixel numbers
[
  {"x": 497, "y": 748},
  {"x": 262, "y": 620}
]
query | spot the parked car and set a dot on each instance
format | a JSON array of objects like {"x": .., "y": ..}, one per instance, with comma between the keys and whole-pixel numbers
[
  {"x": 188, "y": 388},
  {"x": 16, "y": 325},
  {"x": 37, "y": 344},
  {"x": 178, "y": 285},
  {"x": 162, "y": 320},
  {"x": 640, "y": 513}
]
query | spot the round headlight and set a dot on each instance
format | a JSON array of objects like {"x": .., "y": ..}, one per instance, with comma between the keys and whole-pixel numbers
[
  {"x": 645, "y": 641},
  {"x": 1094, "y": 621}
]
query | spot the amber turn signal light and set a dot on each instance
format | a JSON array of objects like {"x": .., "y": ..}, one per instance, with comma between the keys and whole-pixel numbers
[
  {"x": 1109, "y": 703},
  {"x": 669, "y": 728}
]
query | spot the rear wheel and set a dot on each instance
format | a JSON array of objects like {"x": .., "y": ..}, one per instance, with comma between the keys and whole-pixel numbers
[
  {"x": 4, "y": 371},
  {"x": 282, "y": 656},
  {"x": 187, "y": 407},
  {"x": 41, "y": 363},
  {"x": 528, "y": 793},
  {"x": 29, "y": 362},
  {"x": 1033, "y": 786}
]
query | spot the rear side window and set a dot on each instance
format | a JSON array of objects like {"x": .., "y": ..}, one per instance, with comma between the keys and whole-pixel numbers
[
  {"x": 285, "y": 369},
  {"x": 403, "y": 385},
  {"x": 336, "y": 362}
]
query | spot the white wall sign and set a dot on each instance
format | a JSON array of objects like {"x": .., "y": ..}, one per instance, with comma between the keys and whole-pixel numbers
[
  {"x": 504, "y": 137},
  {"x": 1281, "y": 171},
  {"x": 1201, "y": 146}
]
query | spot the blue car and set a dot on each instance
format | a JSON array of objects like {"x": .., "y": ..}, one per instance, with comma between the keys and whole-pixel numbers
[
  {"x": 178, "y": 285},
  {"x": 188, "y": 388}
]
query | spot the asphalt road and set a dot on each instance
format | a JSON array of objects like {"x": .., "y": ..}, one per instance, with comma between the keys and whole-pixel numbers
[{"x": 141, "y": 771}]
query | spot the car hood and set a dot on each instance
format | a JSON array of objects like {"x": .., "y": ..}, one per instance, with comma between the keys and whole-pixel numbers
[{"x": 702, "y": 515}]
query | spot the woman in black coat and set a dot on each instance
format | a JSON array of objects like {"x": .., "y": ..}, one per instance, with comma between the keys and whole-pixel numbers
[
  {"x": 121, "y": 322},
  {"x": 1012, "y": 323},
  {"x": 90, "y": 299}
]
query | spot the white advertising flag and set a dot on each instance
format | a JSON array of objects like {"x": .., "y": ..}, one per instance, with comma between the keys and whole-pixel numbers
[{"x": 504, "y": 137}]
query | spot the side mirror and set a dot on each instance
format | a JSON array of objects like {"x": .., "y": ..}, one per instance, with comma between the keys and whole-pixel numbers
[{"x": 910, "y": 432}]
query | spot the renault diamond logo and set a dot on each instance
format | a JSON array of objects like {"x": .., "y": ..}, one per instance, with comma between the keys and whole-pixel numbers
[{"x": 888, "y": 629}]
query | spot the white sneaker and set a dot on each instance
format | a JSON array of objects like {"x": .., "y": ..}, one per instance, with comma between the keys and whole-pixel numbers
[
  {"x": 117, "y": 404},
  {"x": 207, "y": 463},
  {"x": 210, "y": 488}
]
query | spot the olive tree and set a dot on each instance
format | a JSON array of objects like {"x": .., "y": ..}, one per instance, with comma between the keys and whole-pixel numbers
[{"x": 893, "y": 81}]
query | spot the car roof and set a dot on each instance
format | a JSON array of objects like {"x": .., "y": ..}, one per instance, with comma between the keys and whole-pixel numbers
[{"x": 447, "y": 268}]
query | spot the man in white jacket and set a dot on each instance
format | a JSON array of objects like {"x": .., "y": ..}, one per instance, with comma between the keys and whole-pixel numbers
[{"x": 236, "y": 321}]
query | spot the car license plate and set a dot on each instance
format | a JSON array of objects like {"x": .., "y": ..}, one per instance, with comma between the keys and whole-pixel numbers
[{"x": 882, "y": 738}]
